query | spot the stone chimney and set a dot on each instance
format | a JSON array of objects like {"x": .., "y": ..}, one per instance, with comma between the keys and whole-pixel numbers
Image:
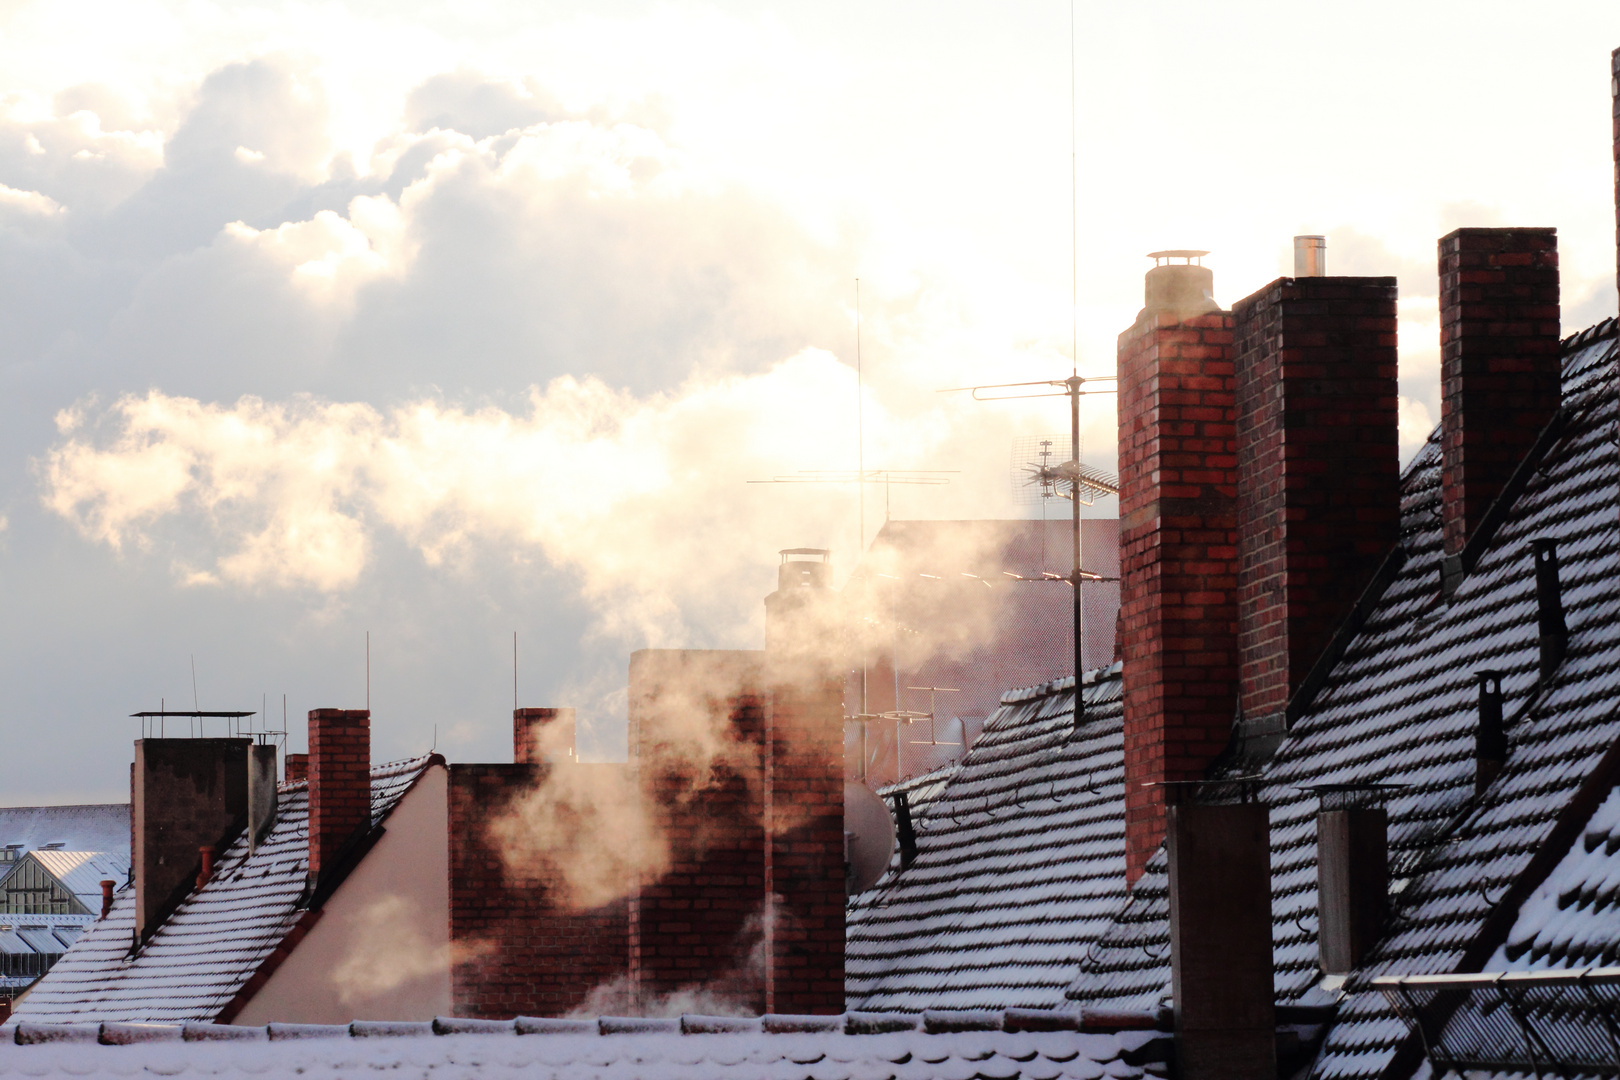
[
  {"x": 1499, "y": 368},
  {"x": 1178, "y": 545},
  {"x": 185, "y": 794},
  {"x": 339, "y": 783},
  {"x": 527, "y": 728},
  {"x": 1318, "y": 473}
]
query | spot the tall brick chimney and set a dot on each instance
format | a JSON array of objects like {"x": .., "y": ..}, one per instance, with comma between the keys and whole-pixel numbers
[
  {"x": 1178, "y": 548},
  {"x": 1614, "y": 90},
  {"x": 185, "y": 794},
  {"x": 1499, "y": 368},
  {"x": 527, "y": 728},
  {"x": 1318, "y": 473},
  {"x": 339, "y": 782}
]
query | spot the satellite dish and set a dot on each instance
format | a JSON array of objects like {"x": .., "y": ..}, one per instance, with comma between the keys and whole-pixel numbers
[{"x": 868, "y": 838}]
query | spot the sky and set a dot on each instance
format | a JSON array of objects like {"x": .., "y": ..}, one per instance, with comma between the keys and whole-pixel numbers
[{"x": 445, "y": 323}]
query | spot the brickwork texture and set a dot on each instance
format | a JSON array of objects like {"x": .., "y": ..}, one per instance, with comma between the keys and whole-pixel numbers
[
  {"x": 1178, "y": 555},
  {"x": 1499, "y": 369},
  {"x": 1318, "y": 469},
  {"x": 339, "y": 782},
  {"x": 514, "y": 949}
]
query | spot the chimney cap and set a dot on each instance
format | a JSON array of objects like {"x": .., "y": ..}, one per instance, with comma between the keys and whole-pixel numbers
[
  {"x": 1176, "y": 253},
  {"x": 825, "y": 553}
]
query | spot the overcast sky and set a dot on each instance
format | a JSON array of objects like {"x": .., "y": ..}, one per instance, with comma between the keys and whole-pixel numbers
[{"x": 450, "y": 321}]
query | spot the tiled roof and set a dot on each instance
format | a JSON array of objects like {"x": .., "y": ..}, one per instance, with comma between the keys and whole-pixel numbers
[
  {"x": 1573, "y": 919},
  {"x": 90, "y": 827},
  {"x": 215, "y": 941},
  {"x": 1400, "y": 708},
  {"x": 612, "y": 1048},
  {"x": 1020, "y": 864}
]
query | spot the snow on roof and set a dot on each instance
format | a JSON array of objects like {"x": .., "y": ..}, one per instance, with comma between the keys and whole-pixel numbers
[
  {"x": 1573, "y": 919},
  {"x": 689, "y": 1048},
  {"x": 215, "y": 941},
  {"x": 82, "y": 872},
  {"x": 1020, "y": 864},
  {"x": 91, "y": 827},
  {"x": 1400, "y": 708}
]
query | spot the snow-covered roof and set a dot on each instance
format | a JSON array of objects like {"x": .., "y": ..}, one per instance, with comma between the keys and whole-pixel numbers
[
  {"x": 1020, "y": 864},
  {"x": 91, "y": 827},
  {"x": 688, "y": 1048},
  {"x": 1401, "y": 708},
  {"x": 215, "y": 941}
]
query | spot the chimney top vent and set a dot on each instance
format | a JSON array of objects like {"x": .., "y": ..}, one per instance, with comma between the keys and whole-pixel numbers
[
  {"x": 807, "y": 567},
  {"x": 1178, "y": 289},
  {"x": 1310, "y": 256}
]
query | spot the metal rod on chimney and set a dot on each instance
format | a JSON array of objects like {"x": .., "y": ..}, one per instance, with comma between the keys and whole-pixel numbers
[{"x": 1074, "y": 508}]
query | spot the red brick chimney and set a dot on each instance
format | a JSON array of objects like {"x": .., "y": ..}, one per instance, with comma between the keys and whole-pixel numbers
[
  {"x": 527, "y": 725},
  {"x": 339, "y": 782},
  {"x": 1178, "y": 544},
  {"x": 1318, "y": 473},
  {"x": 1499, "y": 369},
  {"x": 1614, "y": 89},
  {"x": 297, "y": 768}
]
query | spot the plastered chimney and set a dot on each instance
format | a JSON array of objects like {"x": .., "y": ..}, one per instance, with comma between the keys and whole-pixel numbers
[
  {"x": 185, "y": 794},
  {"x": 339, "y": 783},
  {"x": 262, "y": 794}
]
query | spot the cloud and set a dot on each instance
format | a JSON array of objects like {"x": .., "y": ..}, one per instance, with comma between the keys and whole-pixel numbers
[{"x": 643, "y": 497}]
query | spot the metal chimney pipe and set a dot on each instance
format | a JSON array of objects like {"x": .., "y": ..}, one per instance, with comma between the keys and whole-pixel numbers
[
  {"x": 1310, "y": 256},
  {"x": 1490, "y": 737},
  {"x": 1552, "y": 631}
]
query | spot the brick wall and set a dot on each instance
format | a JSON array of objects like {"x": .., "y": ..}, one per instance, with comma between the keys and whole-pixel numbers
[
  {"x": 1499, "y": 370},
  {"x": 339, "y": 782},
  {"x": 515, "y": 949},
  {"x": 1178, "y": 558},
  {"x": 297, "y": 768},
  {"x": 537, "y": 732},
  {"x": 805, "y": 868},
  {"x": 1318, "y": 470},
  {"x": 697, "y": 720}
]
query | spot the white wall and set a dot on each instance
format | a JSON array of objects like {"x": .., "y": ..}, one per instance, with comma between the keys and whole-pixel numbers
[{"x": 381, "y": 951}]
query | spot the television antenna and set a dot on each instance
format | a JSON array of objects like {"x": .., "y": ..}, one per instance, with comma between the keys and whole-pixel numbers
[{"x": 1068, "y": 479}]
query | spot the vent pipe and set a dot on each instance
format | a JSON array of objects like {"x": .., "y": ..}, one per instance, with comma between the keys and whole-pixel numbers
[
  {"x": 1310, "y": 256},
  {"x": 1552, "y": 631},
  {"x": 1490, "y": 738},
  {"x": 206, "y": 860},
  {"x": 908, "y": 834},
  {"x": 106, "y": 896}
]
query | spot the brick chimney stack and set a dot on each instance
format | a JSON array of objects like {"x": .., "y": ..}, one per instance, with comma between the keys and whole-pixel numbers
[
  {"x": 297, "y": 768},
  {"x": 1318, "y": 473},
  {"x": 339, "y": 782},
  {"x": 527, "y": 726},
  {"x": 1178, "y": 547},
  {"x": 1614, "y": 90},
  {"x": 1499, "y": 368}
]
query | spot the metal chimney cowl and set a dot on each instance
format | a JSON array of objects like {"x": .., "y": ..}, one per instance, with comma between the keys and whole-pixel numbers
[
  {"x": 1180, "y": 290},
  {"x": 1310, "y": 256}
]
